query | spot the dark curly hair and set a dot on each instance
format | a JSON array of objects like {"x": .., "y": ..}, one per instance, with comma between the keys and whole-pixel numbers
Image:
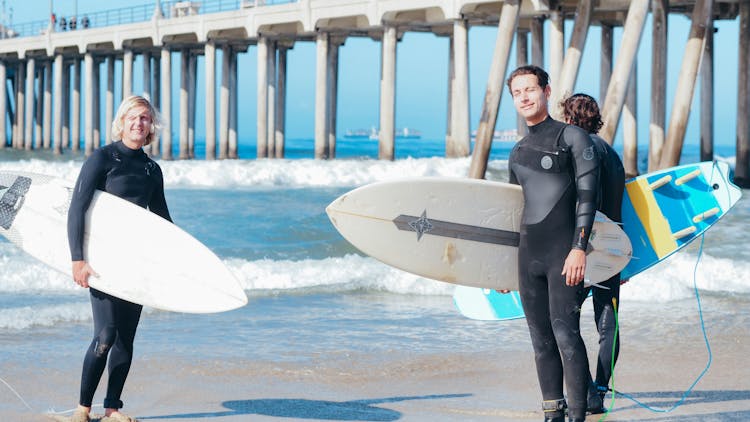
[{"x": 583, "y": 111}]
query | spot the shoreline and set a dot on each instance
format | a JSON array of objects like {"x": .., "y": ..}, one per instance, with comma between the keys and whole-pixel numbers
[{"x": 468, "y": 386}]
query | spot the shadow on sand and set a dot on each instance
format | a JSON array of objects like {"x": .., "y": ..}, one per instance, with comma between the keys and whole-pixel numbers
[{"x": 356, "y": 410}]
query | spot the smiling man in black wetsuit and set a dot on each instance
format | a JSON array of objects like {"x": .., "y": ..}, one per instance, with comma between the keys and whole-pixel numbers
[
  {"x": 122, "y": 169},
  {"x": 557, "y": 167}
]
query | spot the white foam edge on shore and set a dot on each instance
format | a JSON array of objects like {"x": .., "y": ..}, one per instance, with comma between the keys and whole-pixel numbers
[{"x": 670, "y": 281}]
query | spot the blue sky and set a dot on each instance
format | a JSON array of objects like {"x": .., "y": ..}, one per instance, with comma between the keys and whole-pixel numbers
[{"x": 421, "y": 89}]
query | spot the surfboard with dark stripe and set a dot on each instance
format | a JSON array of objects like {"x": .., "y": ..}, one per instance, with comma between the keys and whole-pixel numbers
[{"x": 458, "y": 230}]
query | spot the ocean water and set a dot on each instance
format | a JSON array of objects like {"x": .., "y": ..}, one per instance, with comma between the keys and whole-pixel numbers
[{"x": 311, "y": 293}]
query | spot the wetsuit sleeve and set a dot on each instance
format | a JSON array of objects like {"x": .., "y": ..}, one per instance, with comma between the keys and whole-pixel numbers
[
  {"x": 586, "y": 168},
  {"x": 158, "y": 204},
  {"x": 92, "y": 173}
]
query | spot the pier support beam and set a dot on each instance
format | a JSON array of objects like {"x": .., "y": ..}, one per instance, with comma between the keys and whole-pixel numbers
[
  {"x": 537, "y": 41},
  {"x": 3, "y": 104},
  {"x": 224, "y": 100},
  {"x": 109, "y": 101},
  {"x": 57, "y": 106},
  {"x": 65, "y": 135},
  {"x": 451, "y": 88},
  {"x": 192, "y": 88},
  {"x": 96, "y": 109},
  {"x": 506, "y": 28},
  {"x": 271, "y": 105},
  {"x": 387, "y": 133},
  {"x": 686, "y": 85},
  {"x": 262, "y": 100},
  {"x": 618, "y": 84},
  {"x": 522, "y": 59},
  {"x": 232, "y": 148},
  {"x": 88, "y": 118},
  {"x": 146, "y": 75},
  {"x": 210, "y": 102},
  {"x": 28, "y": 124},
  {"x": 75, "y": 132},
  {"x": 127, "y": 73},
  {"x": 605, "y": 65},
  {"x": 572, "y": 62},
  {"x": 47, "y": 112},
  {"x": 630, "y": 126},
  {"x": 460, "y": 132},
  {"x": 707, "y": 94},
  {"x": 281, "y": 101},
  {"x": 184, "y": 103},
  {"x": 333, "y": 84},
  {"x": 166, "y": 103},
  {"x": 556, "y": 45},
  {"x": 39, "y": 106},
  {"x": 322, "y": 43},
  {"x": 153, "y": 148},
  {"x": 20, "y": 94},
  {"x": 659, "y": 14},
  {"x": 742, "y": 163}
]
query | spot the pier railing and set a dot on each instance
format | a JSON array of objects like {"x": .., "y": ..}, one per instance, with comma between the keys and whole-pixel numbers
[{"x": 132, "y": 14}]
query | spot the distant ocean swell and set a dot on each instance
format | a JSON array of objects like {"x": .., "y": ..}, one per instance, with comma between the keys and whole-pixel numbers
[{"x": 231, "y": 174}]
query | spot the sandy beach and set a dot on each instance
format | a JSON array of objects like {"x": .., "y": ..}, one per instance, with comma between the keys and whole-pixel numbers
[{"x": 398, "y": 385}]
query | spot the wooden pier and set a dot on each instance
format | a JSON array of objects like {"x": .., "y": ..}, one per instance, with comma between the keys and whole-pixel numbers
[{"x": 46, "y": 68}]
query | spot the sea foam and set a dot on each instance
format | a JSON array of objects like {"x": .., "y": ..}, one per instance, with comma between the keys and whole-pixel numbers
[{"x": 297, "y": 173}]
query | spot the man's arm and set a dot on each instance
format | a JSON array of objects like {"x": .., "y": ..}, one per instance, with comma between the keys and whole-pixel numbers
[{"x": 585, "y": 163}]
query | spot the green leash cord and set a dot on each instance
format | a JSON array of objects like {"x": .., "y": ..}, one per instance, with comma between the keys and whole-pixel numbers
[
  {"x": 612, "y": 367},
  {"x": 705, "y": 339}
]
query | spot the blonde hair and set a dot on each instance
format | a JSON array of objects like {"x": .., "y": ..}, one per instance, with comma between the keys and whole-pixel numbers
[{"x": 127, "y": 105}]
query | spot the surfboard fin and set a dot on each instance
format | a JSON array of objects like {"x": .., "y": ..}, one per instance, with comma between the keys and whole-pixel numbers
[
  {"x": 588, "y": 283},
  {"x": 617, "y": 252}
]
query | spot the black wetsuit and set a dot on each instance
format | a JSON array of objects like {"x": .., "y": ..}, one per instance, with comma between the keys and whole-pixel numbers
[
  {"x": 558, "y": 169},
  {"x": 131, "y": 175},
  {"x": 612, "y": 185}
]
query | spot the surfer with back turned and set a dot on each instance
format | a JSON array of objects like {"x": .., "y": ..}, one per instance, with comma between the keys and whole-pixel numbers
[
  {"x": 122, "y": 169},
  {"x": 582, "y": 110},
  {"x": 557, "y": 167}
]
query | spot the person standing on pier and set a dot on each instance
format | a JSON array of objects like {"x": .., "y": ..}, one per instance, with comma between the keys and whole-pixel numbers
[
  {"x": 583, "y": 111},
  {"x": 558, "y": 168},
  {"x": 125, "y": 170}
]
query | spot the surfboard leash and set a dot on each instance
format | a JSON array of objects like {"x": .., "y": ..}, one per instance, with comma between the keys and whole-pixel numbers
[
  {"x": 31, "y": 409},
  {"x": 687, "y": 392},
  {"x": 13, "y": 390}
]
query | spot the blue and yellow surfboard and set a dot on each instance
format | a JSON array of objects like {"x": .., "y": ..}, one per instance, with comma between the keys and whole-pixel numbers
[{"x": 662, "y": 212}]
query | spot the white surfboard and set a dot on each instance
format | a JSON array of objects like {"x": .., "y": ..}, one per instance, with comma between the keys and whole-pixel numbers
[
  {"x": 462, "y": 231},
  {"x": 139, "y": 256}
]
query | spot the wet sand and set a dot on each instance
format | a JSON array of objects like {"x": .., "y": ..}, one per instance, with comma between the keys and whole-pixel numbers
[
  {"x": 484, "y": 373},
  {"x": 395, "y": 386}
]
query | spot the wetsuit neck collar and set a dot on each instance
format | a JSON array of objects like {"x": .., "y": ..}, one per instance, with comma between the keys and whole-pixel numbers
[
  {"x": 541, "y": 125},
  {"x": 122, "y": 148}
]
